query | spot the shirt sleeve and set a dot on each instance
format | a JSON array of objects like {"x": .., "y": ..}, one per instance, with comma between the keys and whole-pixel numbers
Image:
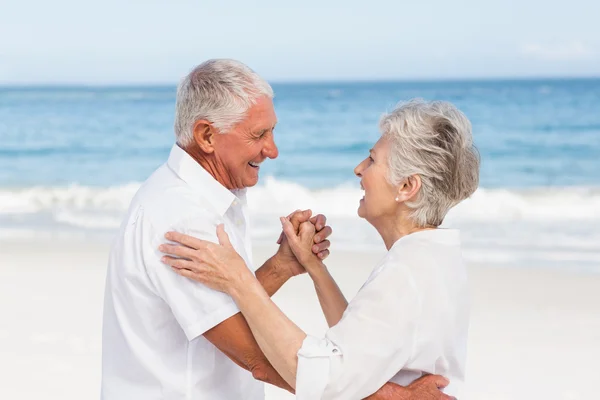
[
  {"x": 371, "y": 343},
  {"x": 196, "y": 307}
]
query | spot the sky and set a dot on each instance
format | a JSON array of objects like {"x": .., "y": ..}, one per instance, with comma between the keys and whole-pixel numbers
[{"x": 137, "y": 42}]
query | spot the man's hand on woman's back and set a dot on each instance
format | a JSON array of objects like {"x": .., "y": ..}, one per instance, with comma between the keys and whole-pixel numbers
[{"x": 427, "y": 387}]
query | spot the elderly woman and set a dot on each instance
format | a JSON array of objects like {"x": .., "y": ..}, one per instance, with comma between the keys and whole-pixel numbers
[{"x": 411, "y": 316}]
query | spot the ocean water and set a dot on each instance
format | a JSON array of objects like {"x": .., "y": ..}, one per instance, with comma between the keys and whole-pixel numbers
[{"x": 71, "y": 158}]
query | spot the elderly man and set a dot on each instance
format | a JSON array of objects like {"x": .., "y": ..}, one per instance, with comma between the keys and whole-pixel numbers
[{"x": 167, "y": 337}]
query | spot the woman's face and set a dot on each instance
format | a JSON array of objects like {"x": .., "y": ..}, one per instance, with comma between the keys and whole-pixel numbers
[{"x": 380, "y": 196}]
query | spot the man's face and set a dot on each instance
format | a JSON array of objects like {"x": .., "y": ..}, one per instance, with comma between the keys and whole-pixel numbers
[{"x": 240, "y": 151}]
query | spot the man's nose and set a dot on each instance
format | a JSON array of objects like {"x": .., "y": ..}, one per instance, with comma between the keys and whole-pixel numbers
[{"x": 270, "y": 150}]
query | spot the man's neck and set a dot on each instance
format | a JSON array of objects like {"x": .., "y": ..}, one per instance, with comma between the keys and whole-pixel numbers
[{"x": 207, "y": 162}]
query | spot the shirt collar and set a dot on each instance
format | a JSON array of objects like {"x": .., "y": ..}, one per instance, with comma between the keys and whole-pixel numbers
[{"x": 188, "y": 169}]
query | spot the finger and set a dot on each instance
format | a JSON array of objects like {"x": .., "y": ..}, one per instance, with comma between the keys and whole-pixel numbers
[
  {"x": 186, "y": 240},
  {"x": 323, "y": 234},
  {"x": 292, "y": 213},
  {"x": 319, "y": 221},
  {"x": 323, "y": 254},
  {"x": 299, "y": 217},
  {"x": 189, "y": 274},
  {"x": 306, "y": 228},
  {"x": 223, "y": 236},
  {"x": 439, "y": 381},
  {"x": 178, "y": 250},
  {"x": 288, "y": 229},
  {"x": 280, "y": 240},
  {"x": 179, "y": 263},
  {"x": 319, "y": 247},
  {"x": 442, "y": 382}
]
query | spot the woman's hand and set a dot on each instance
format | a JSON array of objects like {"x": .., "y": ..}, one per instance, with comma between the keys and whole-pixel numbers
[
  {"x": 302, "y": 243},
  {"x": 218, "y": 266}
]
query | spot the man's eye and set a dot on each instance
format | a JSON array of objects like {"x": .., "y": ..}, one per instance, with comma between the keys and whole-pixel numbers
[{"x": 371, "y": 159}]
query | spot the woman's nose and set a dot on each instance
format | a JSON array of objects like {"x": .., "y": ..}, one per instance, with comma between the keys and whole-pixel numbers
[{"x": 358, "y": 169}]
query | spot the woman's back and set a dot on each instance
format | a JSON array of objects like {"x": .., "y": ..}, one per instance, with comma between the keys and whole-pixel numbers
[{"x": 435, "y": 269}]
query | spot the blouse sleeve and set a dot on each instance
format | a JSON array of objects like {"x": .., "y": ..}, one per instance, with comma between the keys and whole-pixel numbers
[{"x": 371, "y": 343}]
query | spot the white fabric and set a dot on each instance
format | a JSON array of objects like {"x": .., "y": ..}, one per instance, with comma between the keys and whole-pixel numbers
[
  {"x": 152, "y": 343},
  {"x": 411, "y": 316}
]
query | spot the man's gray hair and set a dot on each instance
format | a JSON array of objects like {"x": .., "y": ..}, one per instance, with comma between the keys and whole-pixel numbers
[
  {"x": 432, "y": 140},
  {"x": 220, "y": 91}
]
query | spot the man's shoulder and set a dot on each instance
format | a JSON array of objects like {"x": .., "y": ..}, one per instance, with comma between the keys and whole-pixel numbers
[{"x": 169, "y": 202}]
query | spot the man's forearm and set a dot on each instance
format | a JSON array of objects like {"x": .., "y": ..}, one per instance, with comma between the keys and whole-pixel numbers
[
  {"x": 265, "y": 372},
  {"x": 234, "y": 338},
  {"x": 242, "y": 348},
  {"x": 278, "y": 337},
  {"x": 271, "y": 276}
]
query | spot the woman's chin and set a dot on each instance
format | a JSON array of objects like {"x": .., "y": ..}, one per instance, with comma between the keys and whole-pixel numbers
[{"x": 361, "y": 209}]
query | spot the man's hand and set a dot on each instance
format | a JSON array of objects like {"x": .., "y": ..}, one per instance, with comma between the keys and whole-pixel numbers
[
  {"x": 285, "y": 257},
  {"x": 427, "y": 387}
]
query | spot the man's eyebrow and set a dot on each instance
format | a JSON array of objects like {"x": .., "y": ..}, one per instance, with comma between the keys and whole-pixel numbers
[
  {"x": 371, "y": 151},
  {"x": 263, "y": 131}
]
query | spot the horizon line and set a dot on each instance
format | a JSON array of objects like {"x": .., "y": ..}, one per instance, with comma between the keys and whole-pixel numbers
[{"x": 312, "y": 81}]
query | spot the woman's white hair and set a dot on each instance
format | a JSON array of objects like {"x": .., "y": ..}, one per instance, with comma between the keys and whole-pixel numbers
[
  {"x": 432, "y": 140},
  {"x": 220, "y": 91}
]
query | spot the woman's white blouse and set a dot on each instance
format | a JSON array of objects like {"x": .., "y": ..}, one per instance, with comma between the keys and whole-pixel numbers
[{"x": 410, "y": 317}]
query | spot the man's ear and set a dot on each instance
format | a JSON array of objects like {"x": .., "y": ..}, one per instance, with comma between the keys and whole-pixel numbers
[
  {"x": 204, "y": 135},
  {"x": 408, "y": 189}
]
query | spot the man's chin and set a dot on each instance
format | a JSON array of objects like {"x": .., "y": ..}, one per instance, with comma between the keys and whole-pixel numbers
[{"x": 251, "y": 182}]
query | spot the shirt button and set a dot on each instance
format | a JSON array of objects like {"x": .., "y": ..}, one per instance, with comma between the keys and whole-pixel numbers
[
  {"x": 235, "y": 203},
  {"x": 238, "y": 221}
]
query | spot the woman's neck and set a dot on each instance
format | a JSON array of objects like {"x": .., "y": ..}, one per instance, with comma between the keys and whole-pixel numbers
[{"x": 392, "y": 229}]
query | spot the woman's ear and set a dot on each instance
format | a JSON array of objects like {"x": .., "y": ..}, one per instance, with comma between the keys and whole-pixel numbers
[
  {"x": 408, "y": 189},
  {"x": 204, "y": 135}
]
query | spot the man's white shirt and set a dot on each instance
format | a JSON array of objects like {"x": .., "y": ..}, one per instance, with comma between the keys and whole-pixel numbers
[{"x": 154, "y": 319}]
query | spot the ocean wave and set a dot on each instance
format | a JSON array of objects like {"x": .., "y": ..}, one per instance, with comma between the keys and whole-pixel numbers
[
  {"x": 75, "y": 204},
  {"x": 545, "y": 226},
  {"x": 75, "y": 198}
]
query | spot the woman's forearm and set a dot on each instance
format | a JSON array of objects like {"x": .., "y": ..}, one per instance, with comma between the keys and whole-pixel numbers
[
  {"x": 333, "y": 302},
  {"x": 278, "y": 337}
]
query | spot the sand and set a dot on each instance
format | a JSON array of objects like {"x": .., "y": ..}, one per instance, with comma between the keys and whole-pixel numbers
[{"x": 535, "y": 333}]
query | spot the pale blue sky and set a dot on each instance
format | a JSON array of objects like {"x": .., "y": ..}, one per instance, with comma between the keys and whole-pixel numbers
[{"x": 134, "y": 41}]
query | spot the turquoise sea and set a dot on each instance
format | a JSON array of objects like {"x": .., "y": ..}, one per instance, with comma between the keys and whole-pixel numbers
[{"x": 72, "y": 157}]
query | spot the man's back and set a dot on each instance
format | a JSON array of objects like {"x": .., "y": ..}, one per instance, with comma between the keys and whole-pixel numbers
[{"x": 154, "y": 319}]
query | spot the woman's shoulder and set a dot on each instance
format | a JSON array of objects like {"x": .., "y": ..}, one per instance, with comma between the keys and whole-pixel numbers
[
  {"x": 426, "y": 249},
  {"x": 427, "y": 260}
]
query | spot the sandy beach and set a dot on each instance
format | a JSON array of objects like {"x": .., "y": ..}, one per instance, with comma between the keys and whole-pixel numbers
[{"x": 534, "y": 333}]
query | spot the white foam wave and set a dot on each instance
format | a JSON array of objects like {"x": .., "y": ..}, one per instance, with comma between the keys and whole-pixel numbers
[
  {"x": 74, "y": 197},
  {"x": 546, "y": 225},
  {"x": 77, "y": 204}
]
